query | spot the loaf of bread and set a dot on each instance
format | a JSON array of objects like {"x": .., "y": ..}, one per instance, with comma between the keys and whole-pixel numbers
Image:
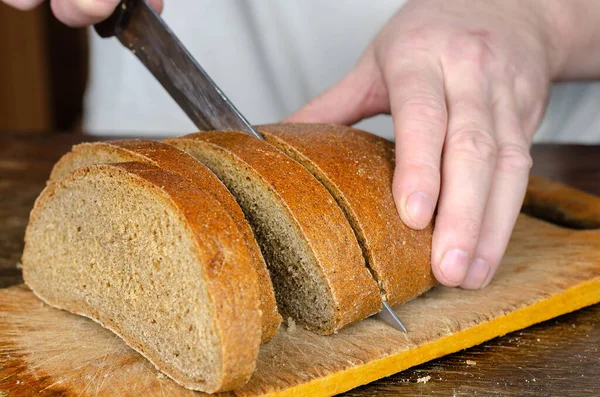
[
  {"x": 316, "y": 264},
  {"x": 357, "y": 168},
  {"x": 148, "y": 255},
  {"x": 174, "y": 160},
  {"x": 157, "y": 241}
]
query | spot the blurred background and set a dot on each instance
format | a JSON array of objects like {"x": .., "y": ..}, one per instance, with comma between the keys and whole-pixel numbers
[
  {"x": 43, "y": 72},
  {"x": 269, "y": 57}
]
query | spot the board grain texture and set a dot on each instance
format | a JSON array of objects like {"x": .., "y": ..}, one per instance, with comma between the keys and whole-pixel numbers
[{"x": 548, "y": 271}]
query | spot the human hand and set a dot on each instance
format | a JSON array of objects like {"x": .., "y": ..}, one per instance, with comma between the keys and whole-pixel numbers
[
  {"x": 466, "y": 83},
  {"x": 77, "y": 13}
]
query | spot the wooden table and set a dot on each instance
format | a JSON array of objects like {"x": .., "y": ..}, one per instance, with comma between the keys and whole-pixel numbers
[{"x": 559, "y": 357}]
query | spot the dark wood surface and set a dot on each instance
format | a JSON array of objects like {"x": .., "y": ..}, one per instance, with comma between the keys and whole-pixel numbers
[
  {"x": 43, "y": 72},
  {"x": 559, "y": 357}
]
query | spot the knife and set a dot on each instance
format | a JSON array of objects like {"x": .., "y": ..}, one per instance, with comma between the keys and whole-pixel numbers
[{"x": 139, "y": 28}]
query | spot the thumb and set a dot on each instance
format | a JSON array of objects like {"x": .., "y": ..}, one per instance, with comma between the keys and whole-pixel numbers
[
  {"x": 360, "y": 94},
  {"x": 77, "y": 13}
]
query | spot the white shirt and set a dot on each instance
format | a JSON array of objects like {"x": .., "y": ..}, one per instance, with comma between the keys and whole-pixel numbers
[{"x": 270, "y": 57}]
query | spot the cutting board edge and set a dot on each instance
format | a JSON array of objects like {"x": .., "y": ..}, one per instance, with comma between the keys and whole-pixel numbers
[{"x": 575, "y": 298}]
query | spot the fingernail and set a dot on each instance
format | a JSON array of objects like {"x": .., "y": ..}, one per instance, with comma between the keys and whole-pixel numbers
[
  {"x": 488, "y": 279},
  {"x": 477, "y": 275},
  {"x": 419, "y": 208},
  {"x": 454, "y": 266}
]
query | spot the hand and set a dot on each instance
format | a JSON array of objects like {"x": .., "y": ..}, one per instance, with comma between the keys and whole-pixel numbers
[
  {"x": 77, "y": 13},
  {"x": 466, "y": 84}
]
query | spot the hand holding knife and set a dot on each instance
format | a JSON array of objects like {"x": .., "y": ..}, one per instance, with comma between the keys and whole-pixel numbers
[{"x": 139, "y": 28}]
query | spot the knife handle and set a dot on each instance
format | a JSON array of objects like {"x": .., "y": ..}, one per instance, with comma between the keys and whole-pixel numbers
[{"x": 118, "y": 21}]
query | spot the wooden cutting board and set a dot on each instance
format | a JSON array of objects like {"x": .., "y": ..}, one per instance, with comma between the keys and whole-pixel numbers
[{"x": 547, "y": 271}]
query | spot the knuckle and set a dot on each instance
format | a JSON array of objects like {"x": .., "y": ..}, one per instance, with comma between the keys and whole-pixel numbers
[
  {"x": 474, "y": 144},
  {"x": 418, "y": 38},
  {"x": 474, "y": 50},
  {"x": 468, "y": 227},
  {"x": 460, "y": 226},
  {"x": 514, "y": 158},
  {"x": 426, "y": 108},
  {"x": 472, "y": 46},
  {"x": 424, "y": 170}
]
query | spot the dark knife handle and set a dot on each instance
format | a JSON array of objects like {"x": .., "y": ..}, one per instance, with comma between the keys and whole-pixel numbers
[
  {"x": 117, "y": 22},
  {"x": 139, "y": 28}
]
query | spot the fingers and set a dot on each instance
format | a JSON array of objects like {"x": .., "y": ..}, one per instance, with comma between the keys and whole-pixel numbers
[
  {"x": 506, "y": 196},
  {"x": 77, "y": 13},
  {"x": 469, "y": 161},
  {"x": 358, "y": 95},
  {"x": 23, "y": 4},
  {"x": 418, "y": 109},
  {"x": 158, "y": 5}
]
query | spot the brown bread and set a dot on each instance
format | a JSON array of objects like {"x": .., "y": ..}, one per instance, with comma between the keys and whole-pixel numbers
[
  {"x": 146, "y": 254},
  {"x": 357, "y": 168},
  {"x": 316, "y": 264},
  {"x": 175, "y": 160}
]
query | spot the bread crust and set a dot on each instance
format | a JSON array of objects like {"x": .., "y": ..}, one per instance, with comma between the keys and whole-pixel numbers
[
  {"x": 317, "y": 218},
  {"x": 175, "y": 160},
  {"x": 357, "y": 168},
  {"x": 224, "y": 263}
]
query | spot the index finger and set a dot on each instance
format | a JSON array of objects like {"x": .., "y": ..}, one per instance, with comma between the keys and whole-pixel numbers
[
  {"x": 23, "y": 5},
  {"x": 77, "y": 13},
  {"x": 418, "y": 107}
]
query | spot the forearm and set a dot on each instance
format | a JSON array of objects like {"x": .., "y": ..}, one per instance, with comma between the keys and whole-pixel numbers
[{"x": 574, "y": 37}]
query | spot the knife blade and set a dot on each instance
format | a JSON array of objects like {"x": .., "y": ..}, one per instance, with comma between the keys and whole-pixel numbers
[{"x": 140, "y": 29}]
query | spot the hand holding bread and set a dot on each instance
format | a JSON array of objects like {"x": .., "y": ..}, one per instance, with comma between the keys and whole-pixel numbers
[{"x": 466, "y": 85}]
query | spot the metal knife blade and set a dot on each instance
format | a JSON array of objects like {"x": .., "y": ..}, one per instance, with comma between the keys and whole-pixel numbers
[
  {"x": 389, "y": 316},
  {"x": 139, "y": 28}
]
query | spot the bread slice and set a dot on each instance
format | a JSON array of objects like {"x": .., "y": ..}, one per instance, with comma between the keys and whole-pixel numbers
[
  {"x": 147, "y": 255},
  {"x": 316, "y": 265},
  {"x": 174, "y": 160},
  {"x": 357, "y": 168}
]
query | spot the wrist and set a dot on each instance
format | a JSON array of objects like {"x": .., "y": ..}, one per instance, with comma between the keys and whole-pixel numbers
[
  {"x": 572, "y": 34},
  {"x": 556, "y": 28}
]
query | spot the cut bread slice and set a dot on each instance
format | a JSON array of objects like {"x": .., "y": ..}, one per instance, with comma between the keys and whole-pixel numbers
[
  {"x": 316, "y": 264},
  {"x": 357, "y": 168},
  {"x": 175, "y": 160},
  {"x": 147, "y": 255}
]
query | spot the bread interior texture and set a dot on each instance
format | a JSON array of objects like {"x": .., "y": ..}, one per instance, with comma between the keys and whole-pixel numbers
[
  {"x": 117, "y": 250},
  {"x": 301, "y": 288}
]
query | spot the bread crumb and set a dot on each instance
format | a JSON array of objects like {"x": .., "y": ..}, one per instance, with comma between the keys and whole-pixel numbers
[
  {"x": 471, "y": 362},
  {"x": 160, "y": 375},
  {"x": 19, "y": 265},
  {"x": 291, "y": 325},
  {"x": 424, "y": 379}
]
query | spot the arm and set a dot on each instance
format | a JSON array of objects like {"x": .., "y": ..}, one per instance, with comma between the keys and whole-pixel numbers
[
  {"x": 466, "y": 83},
  {"x": 575, "y": 25}
]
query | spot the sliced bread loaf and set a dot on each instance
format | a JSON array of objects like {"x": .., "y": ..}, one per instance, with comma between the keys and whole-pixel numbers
[
  {"x": 357, "y": 168},
  {"x": 175, "y": 160},
  {"x": 316, "y": 264},
  {"x": 149, "y": 256}
]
